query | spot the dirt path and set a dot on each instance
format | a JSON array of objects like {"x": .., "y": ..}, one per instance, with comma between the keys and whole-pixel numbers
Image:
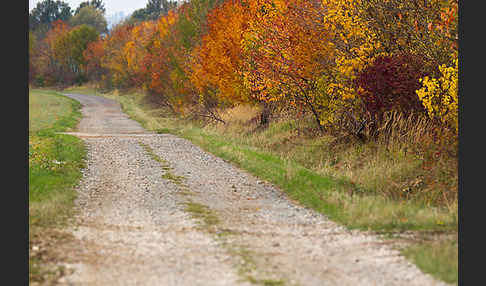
[{"x": 153, "y": 209}]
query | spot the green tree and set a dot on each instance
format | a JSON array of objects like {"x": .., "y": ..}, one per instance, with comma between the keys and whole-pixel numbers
[
  {"x": 138, "y": 16},
  {"x": 97, "y": 4},
  {"x": 192, "y": 26},
  {"x": 68, "y": 51},
  {"x": 80, "y": 37},
  {"x": 157, "y": 8},
  {"x": 92, "y": 17},
  {"x": 46, "y": 12},
  {"x": 154, "y": 10}
]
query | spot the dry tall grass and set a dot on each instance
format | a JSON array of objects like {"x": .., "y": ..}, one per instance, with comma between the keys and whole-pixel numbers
[{"x": 406, "y": 158}]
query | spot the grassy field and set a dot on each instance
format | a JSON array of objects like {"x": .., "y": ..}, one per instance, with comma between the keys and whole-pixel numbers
[
  {"x": 55, "y": 161},
  {"x": 372, "y": 186}
]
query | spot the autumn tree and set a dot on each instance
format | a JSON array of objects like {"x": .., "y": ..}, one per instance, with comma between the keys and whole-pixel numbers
[
  {"x": 185, "y": 34},
  {"x": 50, "y": 64},
  {"x": 163, "y": 67},
  {"x": 439, "y": 95},
  {"x": 137, "y": 52},
  {"x": 218, "y": 66},
  {"x": 389, "y": 84},
  {"x": 287, "y": 49},
  {"x": 115, "y": 59},
  {"x": 415, "y": 27},
  {"x": 93, "y": 55},
  {"x": 58, "y": 58}
]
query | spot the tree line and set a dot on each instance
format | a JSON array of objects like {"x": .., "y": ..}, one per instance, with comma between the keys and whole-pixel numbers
[{"x": 344, "y": 62}]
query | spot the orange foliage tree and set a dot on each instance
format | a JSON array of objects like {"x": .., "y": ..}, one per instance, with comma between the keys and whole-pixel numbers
[
  {"x": 218, "y": 61},
  {"x": 115, "y": 60},
  {"x": 287, "y": 49},
  {"x": 93, "y": 56},
  {"x": 161, "y": 62},
  {"x": 49, "y": 55}
]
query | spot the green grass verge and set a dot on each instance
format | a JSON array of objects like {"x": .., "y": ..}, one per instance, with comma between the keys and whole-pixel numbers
[
  {"x": 336, "y": 197},
  {"x": 50, "y": 111},
  {"x": 325, "y": 194},
  {"x": 426, "y": 256},
  {"x": 55, "y": 163}
]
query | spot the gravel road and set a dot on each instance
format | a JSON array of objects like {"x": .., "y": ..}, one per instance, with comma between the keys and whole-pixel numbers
[{"x": 154, "y": 209}]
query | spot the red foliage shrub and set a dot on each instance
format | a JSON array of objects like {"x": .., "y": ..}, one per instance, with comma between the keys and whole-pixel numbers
[{"x": 390, "y": 84}]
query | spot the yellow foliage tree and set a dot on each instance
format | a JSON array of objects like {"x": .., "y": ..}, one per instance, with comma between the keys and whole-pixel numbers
[{"x": 440, "y": 95}]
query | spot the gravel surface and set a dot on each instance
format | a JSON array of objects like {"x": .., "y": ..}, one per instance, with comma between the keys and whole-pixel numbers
[{"x": 133, "y": 227}]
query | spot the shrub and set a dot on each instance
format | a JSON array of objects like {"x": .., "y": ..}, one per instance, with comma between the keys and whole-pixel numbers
[
  {"x": 439, "y": 95},
  {"x": 389, "y": 83}
]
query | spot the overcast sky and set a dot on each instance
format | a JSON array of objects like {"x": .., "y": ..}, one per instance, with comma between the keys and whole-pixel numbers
[{"x": 112, "y": 6}]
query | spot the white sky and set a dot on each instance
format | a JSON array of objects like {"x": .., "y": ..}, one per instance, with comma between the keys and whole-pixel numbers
[{"x": 111, "y": 6}]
